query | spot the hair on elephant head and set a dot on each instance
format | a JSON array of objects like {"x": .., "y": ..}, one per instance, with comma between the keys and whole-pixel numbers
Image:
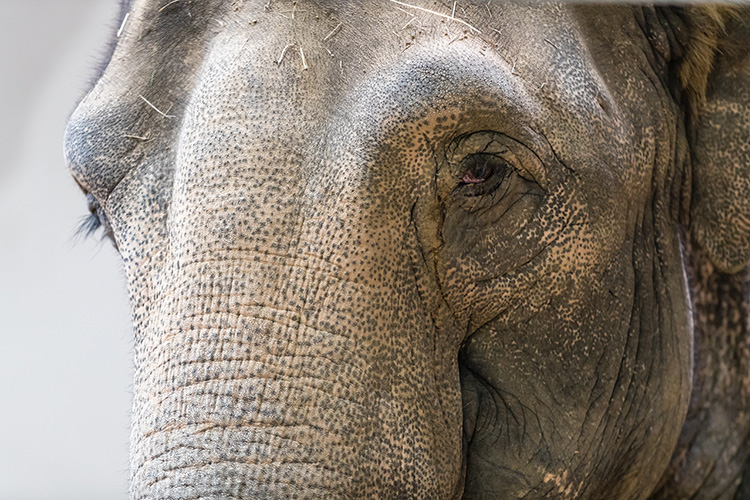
[{"x": 452, "y": 250}]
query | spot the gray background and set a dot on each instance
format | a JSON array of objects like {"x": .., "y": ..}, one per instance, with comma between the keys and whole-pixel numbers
[{"x": 65, "y": 337}]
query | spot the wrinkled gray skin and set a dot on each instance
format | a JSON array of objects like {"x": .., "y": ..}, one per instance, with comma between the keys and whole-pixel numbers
[{"x": 423, "y": 260}]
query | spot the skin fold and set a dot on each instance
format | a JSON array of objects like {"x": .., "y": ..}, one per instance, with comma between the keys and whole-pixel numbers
[{"x": 379, "y": 250}]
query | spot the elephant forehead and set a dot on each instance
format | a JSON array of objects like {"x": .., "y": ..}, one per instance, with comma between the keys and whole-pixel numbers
[
  {"x": 319, "y": 64},
  {"x": 307, "y": 103}
]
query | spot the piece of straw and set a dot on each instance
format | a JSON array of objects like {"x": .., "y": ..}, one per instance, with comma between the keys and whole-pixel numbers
[
  {"x": 304, "y": 62},
  {"x": 162, "y": 113},
  {"x": 472, "y": 28},
  {"x": 333, "y": 32},
  {"x": 283, "y": 52},
  {"x": 122, "y": 26},
  {"x": 167, "y": 5}
]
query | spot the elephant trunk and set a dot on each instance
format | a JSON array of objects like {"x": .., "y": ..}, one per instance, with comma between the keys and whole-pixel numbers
[
  {"x": 250, "y": 409},
  {"x": 288, "y": 396}
]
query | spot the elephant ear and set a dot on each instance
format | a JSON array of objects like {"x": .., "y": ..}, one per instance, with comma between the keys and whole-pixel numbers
[{"x": 716, "y": 76}]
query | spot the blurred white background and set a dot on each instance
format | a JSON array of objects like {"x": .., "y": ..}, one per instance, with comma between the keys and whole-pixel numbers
[{"x": 65, "y": 337}]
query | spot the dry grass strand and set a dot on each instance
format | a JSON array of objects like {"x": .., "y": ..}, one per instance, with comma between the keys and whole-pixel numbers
[
  {"x": 162, "y": 113},
  {"x": 445, "y": 16},
  {"x": 168, "y": 4}
]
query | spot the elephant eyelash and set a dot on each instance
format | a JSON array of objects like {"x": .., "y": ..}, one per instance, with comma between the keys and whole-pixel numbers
[
  {"x": 88, "y": 226},
  {"x": 95, "y": 220},
  {"x": 91, "y": 224}
]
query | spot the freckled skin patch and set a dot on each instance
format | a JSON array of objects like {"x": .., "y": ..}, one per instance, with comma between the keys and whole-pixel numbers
[{"x": 372, "y": 253}]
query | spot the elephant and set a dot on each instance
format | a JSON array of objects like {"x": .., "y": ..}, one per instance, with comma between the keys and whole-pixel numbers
[{"x": 439, "y": 250}]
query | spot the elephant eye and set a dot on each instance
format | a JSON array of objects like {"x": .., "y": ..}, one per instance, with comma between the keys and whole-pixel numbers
[{"x": 482, "y": 174}]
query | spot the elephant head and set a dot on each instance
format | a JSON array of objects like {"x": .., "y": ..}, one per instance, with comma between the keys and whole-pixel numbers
[{"x": 414, "y": 250}]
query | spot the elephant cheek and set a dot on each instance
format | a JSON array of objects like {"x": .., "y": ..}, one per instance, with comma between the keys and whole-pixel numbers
[{"x": 241, "y": 398}]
